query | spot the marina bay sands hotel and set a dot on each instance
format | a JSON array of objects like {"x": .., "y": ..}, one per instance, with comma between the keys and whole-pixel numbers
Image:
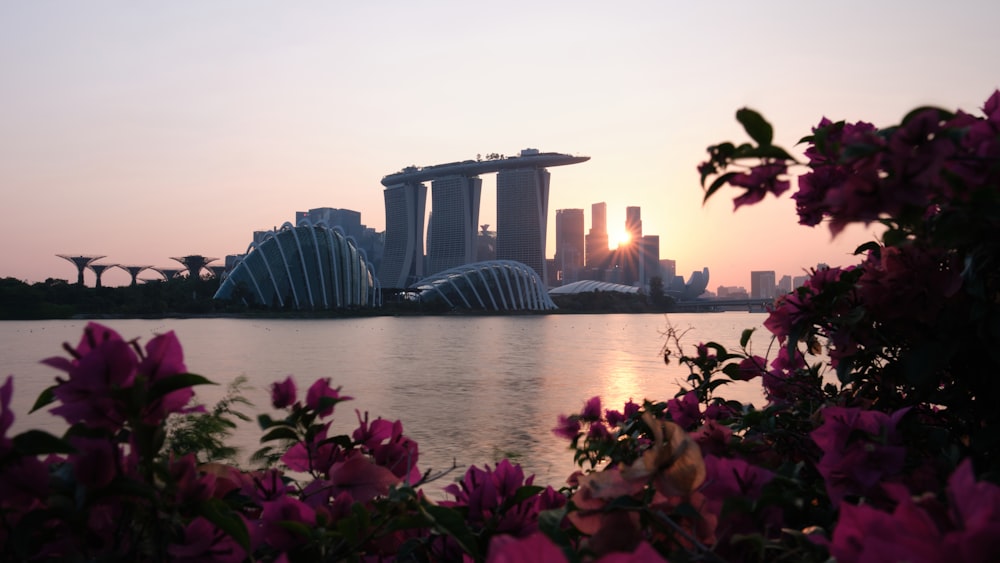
[{"x": 452, "y": 231}]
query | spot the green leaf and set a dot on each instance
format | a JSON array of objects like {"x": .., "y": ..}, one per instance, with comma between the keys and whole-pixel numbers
[
  {"x": 38, "y": 442},
  {"x": 126, "y": 487},
  {"x": 894, "y": 237},
  {"x": 175, "y": 382},
  {"x": 870, "y": 246},
  {"x": 756, "y": 126},
  {"x": 718, "y": 183},
  {"x": 280, "y": 433},
  {"x": 341, "y": 440},
  {"x": 942, "y": 115},
  {"x": 524, "y": 493},
  {"x": 44, "y": 398},
  {"x": 216, "y": 512},
  {"x": 265, "y": 421},
  {"x": 297, "y": 528},
  {"x": 732, "y": 370},
  {"x": 745, "y": 337},
  {"x": 451, "y": 522},
  {"x": 769, "y": 151}
]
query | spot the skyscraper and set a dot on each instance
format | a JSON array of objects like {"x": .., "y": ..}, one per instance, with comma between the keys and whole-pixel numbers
[
  {"x": 650, "y": 259},
  {"x": 597, "y": 239},
  {"x": 762, "y": 284},
  {"x": 630, "y": 257},
  {"x": 347, "y": 219},
  {"x": 403, "y": 259},
  {"x": 569, "y": 243},
  {"x": 452, "y": 234},
  {"x": 522, "y": 216},
  {"x": 633, "y": 222}
]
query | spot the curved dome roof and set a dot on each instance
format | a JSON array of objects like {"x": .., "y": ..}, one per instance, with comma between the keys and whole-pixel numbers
[
  {"x": 494, "y": 285},
  {"x": 587, "y": 286},
  {"x": 304, "y": 267}
]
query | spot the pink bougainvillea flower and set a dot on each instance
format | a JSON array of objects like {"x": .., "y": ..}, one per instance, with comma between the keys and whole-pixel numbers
[
  {"x": 864, "y": 533},
  {"x": 534, "y": 548},
  {"x": 96, "y": 461},
  {"x": 613, "y": 417},
  {"x": 164, "y": 358},
  {"x": 644, "y": 553},
  {"x": 717, "y": 410},
  {"x": 283, "y": 393},
  {"x": 750, "y": 368},
  {"x": 598, "y": 431},
  {"x": 385, "y": 441},
  {"x": 102, "y": 364},
  {"x": 24, "y": 483},
  {"x": 485, "y": 491},
  {"x": 6, "y": 415},
  {"x": 860, "y": 448},
  {"x": 316, "y": 456},
  {"x": 631, "y": 409},
  {"x": 734, "y": 478},
  {"x": 191, "y": 485},
  {"x": 591, "y": 410},
  {"x": 360, "y": 477},
  {"x": 271, "y": 529},
  {"x": 975, "y": 514},
  {"x": 908, "y": 283},
  {"x": 760, "y": 181},
  {"x": 918, "y": 529},
  {"x": 568, "y": 427},
  {"x": 203, "y": 541},
  {"x": 783, "y": 382},
  {"x": 321, "y": 390},
  {"x": 263, "y": 486},
  {"x": 712, "y": 437},
  {"x": 685, "y": 411}
]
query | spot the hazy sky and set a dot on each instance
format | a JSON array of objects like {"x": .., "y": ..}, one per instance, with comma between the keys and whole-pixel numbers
[{"x": 145, "y": 130}]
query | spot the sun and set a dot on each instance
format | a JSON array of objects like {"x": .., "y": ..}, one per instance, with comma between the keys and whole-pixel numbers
[{"x": 620, "y": 239}]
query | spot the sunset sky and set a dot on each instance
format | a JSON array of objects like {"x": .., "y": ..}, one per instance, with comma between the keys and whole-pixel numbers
[{"x": 142, "y": 130}]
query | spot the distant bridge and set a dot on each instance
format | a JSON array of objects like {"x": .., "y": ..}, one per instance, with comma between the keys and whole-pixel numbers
[{"x": 756, "y": 305}]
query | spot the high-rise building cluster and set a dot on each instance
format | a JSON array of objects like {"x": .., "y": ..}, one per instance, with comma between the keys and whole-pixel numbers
[
  {"x": 454, "y": 235},
  {"x": 764, "y": 284},
  {"x": 589, "y": 257},
  {"x": 403, "y": 254}
]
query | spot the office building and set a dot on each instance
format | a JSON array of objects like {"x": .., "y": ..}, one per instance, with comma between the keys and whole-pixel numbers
[
  {"x": 784, "y": 285},
  {"x": 452, "y": 231},
  {"x": 570, "y": 245},
  {"x": 596, "y": 242},
  {"x": 487, "y": 244},
  {"x": 629, "y": 255},
  {"x": 522, "y": 217},
  {"x": 633, "y": 222},
  {"x": 403, "y": 256},
  {"x": 731, "y": 292},
  {"x": 762, "y": 284},
  {"x": 348, "y": 220},
  {"x": 649, "y": 266}
]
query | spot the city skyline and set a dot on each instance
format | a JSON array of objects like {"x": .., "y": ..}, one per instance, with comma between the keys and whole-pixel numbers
[{"x": 141, "y": 132}]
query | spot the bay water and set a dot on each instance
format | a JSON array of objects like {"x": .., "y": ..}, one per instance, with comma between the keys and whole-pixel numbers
[{"x": 470, "y": 390}]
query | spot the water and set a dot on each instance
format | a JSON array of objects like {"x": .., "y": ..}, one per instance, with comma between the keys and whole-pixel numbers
[{"x": 469, "y": 390}]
